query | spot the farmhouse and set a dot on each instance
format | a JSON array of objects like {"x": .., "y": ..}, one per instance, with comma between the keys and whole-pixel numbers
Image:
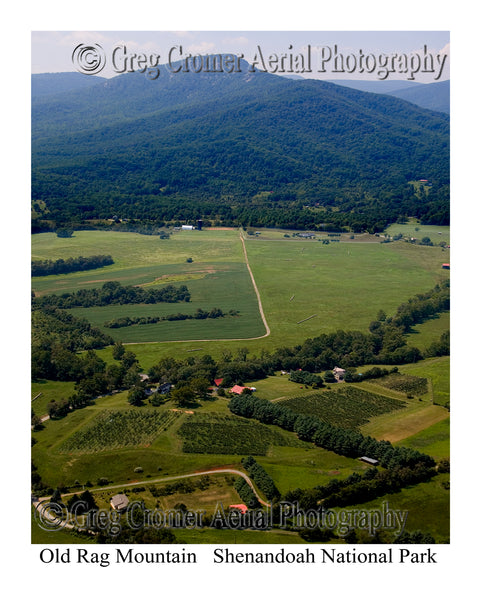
[
  {"x": 237, "y": 389},
  {"x": 370, "y": 461},
  {"x": 119, "y": 502},
  {"x": 339, "y": 373}
]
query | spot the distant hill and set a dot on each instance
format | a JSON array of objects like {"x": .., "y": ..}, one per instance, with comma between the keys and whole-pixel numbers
[
  {"x": 49, "y": 84},
  {"x": 240, "y": 148},
  {"x": 434, "y": 96},
  {"x": 385, "y": 86}
]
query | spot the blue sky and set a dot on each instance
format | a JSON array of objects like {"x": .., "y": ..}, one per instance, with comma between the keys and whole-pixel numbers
[{"x": 52, "y": 50}]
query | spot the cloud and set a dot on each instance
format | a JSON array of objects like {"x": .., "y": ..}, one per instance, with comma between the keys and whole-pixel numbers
[
  {"x": 202, "y": 48},
  {"x": 240, "y": 40},
  {"x": 73, "y": 38}
]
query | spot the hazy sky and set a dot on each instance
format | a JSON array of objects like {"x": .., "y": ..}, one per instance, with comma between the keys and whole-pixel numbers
[{"x": 330, "y": 51}]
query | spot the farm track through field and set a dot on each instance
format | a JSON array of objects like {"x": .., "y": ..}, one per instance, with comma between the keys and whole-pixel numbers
[
  {"x": 166, "y": 479},
  {"x": 260, "y": 308}
]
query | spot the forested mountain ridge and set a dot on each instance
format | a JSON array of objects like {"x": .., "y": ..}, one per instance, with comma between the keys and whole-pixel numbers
[
  {"x": 234, "y": 148},
  {"x": 434, "y": 96}
]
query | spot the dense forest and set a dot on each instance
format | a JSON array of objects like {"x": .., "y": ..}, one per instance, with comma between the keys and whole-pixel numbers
[{"x": 246, "y": 149}]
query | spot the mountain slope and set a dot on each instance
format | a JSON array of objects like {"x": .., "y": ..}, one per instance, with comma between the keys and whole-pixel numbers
[
  {"x": 211, "y": 143},
  {"x": 434, "y": 96},
  {"x": 49, "y": 84}
]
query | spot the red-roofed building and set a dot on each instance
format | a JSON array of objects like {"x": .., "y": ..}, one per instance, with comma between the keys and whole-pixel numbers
[
  {"x": 241, "y": 507},
  {"x": 446, "y": 266},
  {"x": 218, "y": 382},
  {"x": 237, "y": 389}
]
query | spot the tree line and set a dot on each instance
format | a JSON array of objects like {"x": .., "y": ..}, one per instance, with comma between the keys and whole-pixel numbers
[
  {"x": 112, "y": 292},
  {"x": 346, "y": 442},
  {"x": 263, "y": 480},
  {"x": 214, "y": 313},
  {"x": 81, "y": 263}
]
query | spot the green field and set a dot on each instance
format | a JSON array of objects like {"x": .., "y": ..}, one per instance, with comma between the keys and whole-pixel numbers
[
  {"x": 347, "y": 407},
  {"x": 111, "y": 430},
  {"x": 218, "y": 434},
  {"x": 69, "y": 449},
  {"x": 436, "y": 233},
  {"x": 296, "y": 279},
  {"x": 422, "y": 335},
  {"x": 228, "y": 287}
]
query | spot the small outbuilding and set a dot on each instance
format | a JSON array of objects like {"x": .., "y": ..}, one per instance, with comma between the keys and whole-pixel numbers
[
  {"x": 370, "y": 461},
  {"x": 339, "y": 373},
  {"x": 446, "y": 266},
  {"x": 119, "y": 502}
]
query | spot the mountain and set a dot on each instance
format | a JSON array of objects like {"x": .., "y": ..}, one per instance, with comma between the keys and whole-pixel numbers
[
  {"x": 385, "y": 86},
  {"x": 238, "y": 148},
  {"x": 49, "y": 84},
  {"x": 434, "y": 96}
]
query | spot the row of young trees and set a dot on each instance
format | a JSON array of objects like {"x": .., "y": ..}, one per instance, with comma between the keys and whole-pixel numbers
[
  {"x": 69, "y": 265},
  {"x": 263, "y": 480},
  {"x": 342, "y": 441}
]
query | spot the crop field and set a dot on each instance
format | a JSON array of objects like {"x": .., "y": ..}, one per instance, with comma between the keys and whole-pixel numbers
[
  {"x": 215, "y": 434},
  {"x": 116, "y": 429},
  {"x": 347, "y": 407},
  {"x": 408, "y": 384}
]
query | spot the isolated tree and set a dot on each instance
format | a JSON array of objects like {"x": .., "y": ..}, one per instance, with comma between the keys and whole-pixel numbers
[
  {"x": 64, "y": 232},
  {"x": 118, "y": 351}
]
